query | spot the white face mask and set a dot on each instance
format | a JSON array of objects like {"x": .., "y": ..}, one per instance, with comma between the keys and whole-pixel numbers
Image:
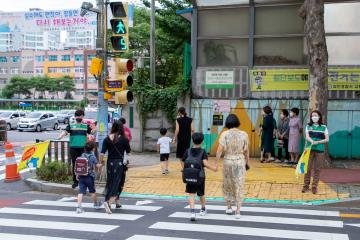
[{"x": 315, "y": 119}]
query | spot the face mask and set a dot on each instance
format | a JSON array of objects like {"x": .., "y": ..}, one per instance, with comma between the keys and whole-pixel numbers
[
  {"x": 315, "y": 119},
  {"x": 78, "y": 119}
]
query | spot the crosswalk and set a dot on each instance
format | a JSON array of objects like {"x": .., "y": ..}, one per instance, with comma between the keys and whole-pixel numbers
[{"x": 57, "y": 220}]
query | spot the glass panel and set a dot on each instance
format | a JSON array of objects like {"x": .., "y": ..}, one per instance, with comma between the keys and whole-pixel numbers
[
  {"x": 278, "y": 20},
  {"x": 346, "y": 19},
  {"x": 279, "y": 51},
  {"x": 230, "y": 52},
  {"x": 343, "y": 50},
  {"x": 223, "y": 22}
]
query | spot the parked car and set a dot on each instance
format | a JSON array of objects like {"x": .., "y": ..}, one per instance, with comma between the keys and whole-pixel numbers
[
  {"x": 89, "y": 118},
  {"x": 65, "y": 115},
  {"x": 12, "y": 118},
  {"x": 38, "y": 121}
]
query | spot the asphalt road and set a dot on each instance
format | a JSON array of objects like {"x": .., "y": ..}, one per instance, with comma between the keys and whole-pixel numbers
[
  {"x": 16, "y": 136},
  {"x": 29, "y": 215}
]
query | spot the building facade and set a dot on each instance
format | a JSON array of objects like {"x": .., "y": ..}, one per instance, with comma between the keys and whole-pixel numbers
[
  {"x": 249, "y": 54},
  {"x": 74, "y": 63}
]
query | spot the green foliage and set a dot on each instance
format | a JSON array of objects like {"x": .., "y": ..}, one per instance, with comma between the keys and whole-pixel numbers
[
  {"x": 53, "y": 172},
  {"x": 38, "y": 84}
]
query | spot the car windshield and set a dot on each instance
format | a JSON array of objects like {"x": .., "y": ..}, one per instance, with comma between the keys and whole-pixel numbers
[
  {"x": 5, "y": 114},
  {"x": 34, "y": 115},
  {"x": 90, "y": 115}
]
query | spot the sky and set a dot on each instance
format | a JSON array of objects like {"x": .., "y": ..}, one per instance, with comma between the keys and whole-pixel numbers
[{"x": 25, "y": 5}]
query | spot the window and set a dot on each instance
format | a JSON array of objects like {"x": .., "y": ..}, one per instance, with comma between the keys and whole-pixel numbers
[
  {"x": 91, "y": 80},
  {"x": 4, "y": 70},
  {"x": 79, "y": 69},
  {"x": 65, "y": 70},
  {"x": 65, "y": 58},
  {"x": 52, "y": 70},
  {"x": 51, "y": 115},
  {"x": 79, "y": 58},
  {"x": 225, "y": 52},
  {"x": 346, "y": 19},
  {"x": 15, "y": 115},
  {"x": 343, "y": 50},
  {"x": 39, "y": 70},
  {"x": 40, "y": 58},
  {"x": 14, "y": 71},
  {"x": 52, "y": 58},
  {"x": 90, "y": 57},
  {"x": 15, "y": 59},
  {"x": 3, "y": 80},
  {"x": 3, "y": 59}
]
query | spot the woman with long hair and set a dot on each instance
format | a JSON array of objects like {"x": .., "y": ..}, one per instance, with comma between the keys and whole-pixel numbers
[
  {"x": 115, "y": 144},
  {"x": 184, "y": 128},
  {"x": 317, "y": 135}
]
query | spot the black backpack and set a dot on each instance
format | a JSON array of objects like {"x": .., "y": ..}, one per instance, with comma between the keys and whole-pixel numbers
[{"x": 193, "y": 173}]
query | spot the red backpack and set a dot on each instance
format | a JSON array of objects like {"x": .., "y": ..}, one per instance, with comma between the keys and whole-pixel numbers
[{"x": 81, "y": 166}]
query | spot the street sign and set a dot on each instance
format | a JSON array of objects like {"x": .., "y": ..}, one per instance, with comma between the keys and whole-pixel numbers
[{"x": 113, "y": 85}]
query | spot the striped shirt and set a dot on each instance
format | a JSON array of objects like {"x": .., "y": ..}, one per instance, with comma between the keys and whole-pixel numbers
[{"x": 317, "y": 133}]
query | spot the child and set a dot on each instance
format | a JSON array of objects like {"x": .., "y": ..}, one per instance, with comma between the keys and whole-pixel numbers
[
  {"x": 163, "y": 146},
  {"x": 88, "y": 182},
  {"x": 192, "y": 189}
]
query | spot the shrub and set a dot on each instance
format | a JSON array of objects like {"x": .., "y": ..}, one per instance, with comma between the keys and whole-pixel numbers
[{"x": 53, "y": 172}]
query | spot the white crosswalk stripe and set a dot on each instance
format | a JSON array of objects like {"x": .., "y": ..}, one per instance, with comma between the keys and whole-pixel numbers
[
  {"x": 31, "y": 215},
  {"x": 267, "y": 222},
  {"x": 146, "y": 237}
]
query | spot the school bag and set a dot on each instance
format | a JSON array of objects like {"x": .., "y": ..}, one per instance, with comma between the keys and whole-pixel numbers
[
  {"x": 82, "y": 165},
  {"x": 193, "y": 172}
]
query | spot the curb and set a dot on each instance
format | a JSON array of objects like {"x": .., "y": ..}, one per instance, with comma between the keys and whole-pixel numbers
[{"x": 58, "y": 188}]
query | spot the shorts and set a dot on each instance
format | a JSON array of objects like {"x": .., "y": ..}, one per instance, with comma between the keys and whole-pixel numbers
[
  {"x": 86, "y": 182},
  {"x": 198, "y": 189},
  {"x": 164, "y": 157}
]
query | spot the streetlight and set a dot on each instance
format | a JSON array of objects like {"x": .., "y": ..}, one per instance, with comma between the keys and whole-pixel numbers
[{"x": 88, "y": 7}]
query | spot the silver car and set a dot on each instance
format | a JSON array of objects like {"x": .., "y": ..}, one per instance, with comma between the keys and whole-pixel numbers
[
  {"x": 12, "y": 118},
  {"x": 38, "y": 121},
  {"x": 65, "y": 115}
]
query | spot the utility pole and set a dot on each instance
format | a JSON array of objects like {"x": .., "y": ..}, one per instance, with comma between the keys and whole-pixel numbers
[
  {"x": 101, "y": 46},
  {"x": 152, "y": 44}
]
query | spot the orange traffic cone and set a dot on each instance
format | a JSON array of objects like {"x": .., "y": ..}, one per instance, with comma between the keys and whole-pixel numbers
[{"x": 11, "y": 172}]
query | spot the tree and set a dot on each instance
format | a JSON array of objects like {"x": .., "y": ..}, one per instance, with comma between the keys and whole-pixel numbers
[
  {"x": 18, "y": 85},
  {"x": 312, "y": 11},
  {"x": 66, "y": 84},
  {"x": 41, "y": 85}
]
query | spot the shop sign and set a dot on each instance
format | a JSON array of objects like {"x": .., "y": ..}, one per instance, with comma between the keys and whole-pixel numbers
[
  {"x": 218, "y": 120},
  {"x": 219, "y": 79}
]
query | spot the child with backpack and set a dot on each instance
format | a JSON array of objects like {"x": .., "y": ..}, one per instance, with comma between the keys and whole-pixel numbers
[
  {"x": 85, "y": 172},
  {"x": 163, "y": 147},
  {"x": 195, "y": 160}
]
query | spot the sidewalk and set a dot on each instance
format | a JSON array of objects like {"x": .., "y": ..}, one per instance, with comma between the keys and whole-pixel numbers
[{"x": 264, "y": 182}]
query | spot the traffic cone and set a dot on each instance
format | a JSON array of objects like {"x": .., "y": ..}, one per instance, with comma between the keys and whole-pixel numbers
[{"x": 11, "y": 172}]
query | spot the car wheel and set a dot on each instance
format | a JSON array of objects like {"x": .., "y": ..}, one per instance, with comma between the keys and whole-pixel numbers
[
  {"x": 56, "y": 126},
  {"x": 66, "y": 121},
  {"x": 38, "y": 128},
  {"x": 20, "y": 130},
  {"x": 8, "y": 127}
]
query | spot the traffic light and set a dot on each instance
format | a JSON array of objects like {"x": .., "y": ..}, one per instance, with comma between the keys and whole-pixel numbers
[
  {"x": 123, "y": 78},
  {"x": 119, "y": 26}
]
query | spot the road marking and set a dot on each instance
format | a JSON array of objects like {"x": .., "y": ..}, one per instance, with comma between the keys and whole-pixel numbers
[
  {"x": 354, "y": 225},
  {"x": 86, "y": 227},
  {"x": 10, "y": 236},
  {"x": 66, "y": 199},
  {"x": 147, "y": 237},
  {"x": 265, "y": 219},
  {"x": 90, "y": 205},
  {"x": 139, "y": 203},
  {"x": 57, "y": 213},
  {"x": 349, "y": 215},
  {"x": 260, "y": 232},
  {"x": 277, "y": 210}
]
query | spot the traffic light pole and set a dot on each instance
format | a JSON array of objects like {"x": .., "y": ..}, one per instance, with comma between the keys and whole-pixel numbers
[
  {"x": 152, "y": 44},
  {"x": 101, "y": 46}
]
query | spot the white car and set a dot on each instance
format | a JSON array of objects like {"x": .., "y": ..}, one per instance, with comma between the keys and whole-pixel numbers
[
  {"x": 12, "y": 118},
  {"x": 38, "y": 121}
]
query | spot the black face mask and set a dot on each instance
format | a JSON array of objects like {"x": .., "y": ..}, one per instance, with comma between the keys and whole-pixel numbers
[{"x": 78, "y": 119}]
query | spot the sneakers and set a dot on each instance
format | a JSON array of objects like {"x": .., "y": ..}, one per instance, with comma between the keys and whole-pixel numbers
[
  {"x": 97, "y": 205},
  {"x": 237, "y": 216},
  {"x": 117, "y": 204},
  {"x": 193, "y": 217},
  {"x": 74, "y": 185},
  {"x": 203, "y": 212},
  {"x": 229, "y": 211},
  {"x": 278, "y": 161},
  {"x": 79, "y": 210},
  {"x": 305, "y": 189},
  {"x": 107, "y": 208}
]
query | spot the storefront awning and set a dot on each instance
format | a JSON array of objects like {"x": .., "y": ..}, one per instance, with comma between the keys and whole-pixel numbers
[{"x": 185, "y": 13}]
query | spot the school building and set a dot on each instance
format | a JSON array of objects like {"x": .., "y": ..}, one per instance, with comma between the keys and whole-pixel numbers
[{"x": 247, "y": 54}]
